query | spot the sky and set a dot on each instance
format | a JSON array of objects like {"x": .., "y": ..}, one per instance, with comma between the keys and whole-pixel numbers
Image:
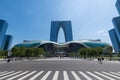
[{"x": 31, "y": 19}]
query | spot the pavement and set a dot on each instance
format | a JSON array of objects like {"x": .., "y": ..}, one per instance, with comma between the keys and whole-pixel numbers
[
  {"x": 58, "y": 59},
  {"x": 60, "y": 69}
]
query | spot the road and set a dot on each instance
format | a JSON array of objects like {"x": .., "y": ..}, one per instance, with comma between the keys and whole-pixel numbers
[{"x": 60, "y": 69}]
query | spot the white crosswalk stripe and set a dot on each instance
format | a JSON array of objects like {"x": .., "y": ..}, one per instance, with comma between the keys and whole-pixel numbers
[
  {"x": 59, "y": 75},
  {"x": 7, "y": 73},
  {"x": 18, "y": 75},
  {"x": 10, "y": 75},
  {"x": 26, "y": 75},
  {"x": 65, "y": 75},
  {"x": 99, "y": 78},
  {"x": 46, "y": 75},
  {"x": 3, "y": 72},
  {"x": 56, "y": 75},
  {"x": 83, "y": 74},
  {"x": 118, "y": 72},
  {"x": 104, "y": 76},
  {"x": 111, "y": 75},
  {"x": 75, "y": 75},
  {"x": 115, "y": 73},
  {"x": 36, "y": 75}
]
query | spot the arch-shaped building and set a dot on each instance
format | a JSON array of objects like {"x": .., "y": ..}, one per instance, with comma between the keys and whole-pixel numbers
[{"x": 67, "y": 28}]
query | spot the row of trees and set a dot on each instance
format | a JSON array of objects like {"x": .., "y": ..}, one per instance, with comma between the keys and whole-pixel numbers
[
  {"x": 27, "y": 52},
  {"x": 3, "y": 53},
  {"x": 92, "y": 52},
  {"x": 39, "y": 52}
]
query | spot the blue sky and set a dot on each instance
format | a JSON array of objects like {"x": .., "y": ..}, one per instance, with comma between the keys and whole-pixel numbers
[{"x": 31, "y": 19}]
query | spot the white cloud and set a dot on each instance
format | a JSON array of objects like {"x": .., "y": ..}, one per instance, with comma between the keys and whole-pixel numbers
[{"x": 102, "y": 33}]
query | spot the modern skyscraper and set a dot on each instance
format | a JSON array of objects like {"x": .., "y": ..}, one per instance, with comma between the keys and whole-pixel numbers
[
  {"x": 116, "y": 23},
  {"x": 7, "y": 42},
  {"x": 3, "y": 28},
  {"x": 55, "y": 27},
  {"x": 118, "y": 5},
  {"x": 114, "y": 40}
]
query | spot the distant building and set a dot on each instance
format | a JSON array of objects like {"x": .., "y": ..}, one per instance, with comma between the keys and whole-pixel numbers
[
  {"x": 7, "y": 42},
  {"x": 114, "y": 40},
  {"x": 68, "y": 46},
  {"x": 67, "y": 28},
  {"x": 3, "y": 28},
  {"x": 65, "y": 48}
]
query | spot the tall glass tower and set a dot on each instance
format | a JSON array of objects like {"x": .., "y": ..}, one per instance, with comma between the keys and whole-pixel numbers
[
  {"x": 115, "y": 33},
  {"x": 3, "y": 28},
  {"x": 114, "y": 40},
  {"x": 118, "y": 5},
  {"x": 7, "y": 42},
  {"x": 116, "y": 23}
]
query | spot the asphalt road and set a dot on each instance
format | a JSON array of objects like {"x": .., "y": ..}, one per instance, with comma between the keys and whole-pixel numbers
[{"x": 60, "y": 69}]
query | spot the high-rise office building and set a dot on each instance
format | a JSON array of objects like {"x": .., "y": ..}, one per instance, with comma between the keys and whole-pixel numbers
[
  {"x": 7, "y": 42},
  {"x": 114, "y": 40},
  {"x": 116, "y": 23},
  {"x": 67, "y": 28},
  {"x": 115, "y": 33},
  {"x": 3, "y": 28},
  {"x": 118, "y": 6}
]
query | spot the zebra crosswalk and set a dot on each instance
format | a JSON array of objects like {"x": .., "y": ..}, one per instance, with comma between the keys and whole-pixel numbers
[{"x": 59, "y": 75}]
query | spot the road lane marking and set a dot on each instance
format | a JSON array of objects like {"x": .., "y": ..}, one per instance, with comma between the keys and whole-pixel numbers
[
  {"x": 10, "y": 75},
  {"x": 83, "y": 74},
  {"x": 7, "y": 73},
  {"x": 3, "y": 72},
  {"x": 32, "y": 75},
  {"x": 56, "y": 75},
  {"x": 26, "y": 75},
  {"x": 111, "y": 75},
  {"x": 46, "y": 75},
  {"x": 75, "y": 75},
  {"x": 99, "y": 78},
  {"x": 65, "y": 75},
  {"x": 115, "y": 73},
  {"x": 104, "y": 76},
  {"x": 36, "y": 75},
  {"x": 18, "y": 75}
]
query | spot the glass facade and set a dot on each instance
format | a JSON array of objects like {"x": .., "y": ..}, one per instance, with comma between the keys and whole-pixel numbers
[
  {"x": 3, "y": 28},
  {"x": 116, "y": 23},
  {"x": 115, "y": 33},
  {"x": 114, "y": 40},
  {"x": 118, "y": 5},
  {"x": 7, "y": 42},
  {"x": 66, "y": 47},
  {"x": 67, "y": 28}
]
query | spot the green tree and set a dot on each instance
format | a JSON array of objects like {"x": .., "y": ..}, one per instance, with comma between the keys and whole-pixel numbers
[
  {"x": 38, "y": 52},
  {"x": 2, "y": 54},
  {"x": 18, "y": 52},
  {"x": 109, "y": 51},
  {"x": 29, "y": 52},
  {"x": 82, "y": 52},
  {"x": 99, "y": 51}
]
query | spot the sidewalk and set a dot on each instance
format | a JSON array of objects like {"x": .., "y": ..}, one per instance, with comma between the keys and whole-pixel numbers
[
  {"x": 3, "y": 61},
  {"x": 58, "y": 58},
  {"x": 112, "y": 61}
]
